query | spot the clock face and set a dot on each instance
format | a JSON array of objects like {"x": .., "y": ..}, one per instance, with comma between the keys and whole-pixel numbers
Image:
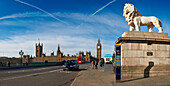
[{"x": 98, "y": 47}]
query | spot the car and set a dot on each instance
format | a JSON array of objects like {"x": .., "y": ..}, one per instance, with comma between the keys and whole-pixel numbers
[{"x": 71, "y": 65}]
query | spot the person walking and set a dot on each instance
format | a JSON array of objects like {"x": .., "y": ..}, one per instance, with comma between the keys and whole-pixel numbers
[
  {"x": 6, "y": 64},
  {"x": 9, "y": 64},
  {"x": 0, "y": 63},
  {"x": 96, "y": 63},
  {"x": 92, "y": 64},
  {"x": 101, "y": 63}
]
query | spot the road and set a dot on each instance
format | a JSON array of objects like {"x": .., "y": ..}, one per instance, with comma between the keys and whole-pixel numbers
[{"x": 44, "y": 76}]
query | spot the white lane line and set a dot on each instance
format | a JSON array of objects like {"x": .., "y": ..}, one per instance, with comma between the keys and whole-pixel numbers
[
  {"x": 55, "y": 70},
  {"x": 65, "y": 71},
  {"x": 26, "y": 70},
  {"x": 10, "y": 78}
]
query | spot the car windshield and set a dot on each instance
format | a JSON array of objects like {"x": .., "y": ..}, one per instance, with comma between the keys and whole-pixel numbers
[{"x": 72, "y": 62}]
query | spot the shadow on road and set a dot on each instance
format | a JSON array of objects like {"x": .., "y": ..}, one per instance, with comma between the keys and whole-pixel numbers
[
  {"x": 82, "y": 69},
  {"x": 76, "y": 70},
  {"x": 131, "y": 80}
]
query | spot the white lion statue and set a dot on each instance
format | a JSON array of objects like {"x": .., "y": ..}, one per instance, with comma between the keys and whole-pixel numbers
[{"x": 135, "y": 19}]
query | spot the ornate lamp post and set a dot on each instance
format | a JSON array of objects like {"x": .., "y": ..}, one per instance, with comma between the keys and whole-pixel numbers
[{"x": 21, "y": 53}]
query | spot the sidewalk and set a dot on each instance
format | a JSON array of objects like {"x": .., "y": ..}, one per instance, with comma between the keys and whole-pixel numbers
[
  {"x": 94, "y": 77},
  {"x": 152, "y": 81},
  {"x": 99, "y": 77}
]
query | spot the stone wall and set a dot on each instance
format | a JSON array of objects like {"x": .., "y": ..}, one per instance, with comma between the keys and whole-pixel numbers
[
  {"x": 144, "y": 54},
  {"x": 37, "y": 60},
  {"x": 69, "y": 58},
  {"x": 52, "y": 59},
  {"x": 139, "y": 72},
  {"x": 135, "y": 54},
  {"x": 12, "y": 60}
]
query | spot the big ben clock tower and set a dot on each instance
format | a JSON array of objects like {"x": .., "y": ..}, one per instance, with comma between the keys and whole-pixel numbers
[{"x": 99, "y": 47}]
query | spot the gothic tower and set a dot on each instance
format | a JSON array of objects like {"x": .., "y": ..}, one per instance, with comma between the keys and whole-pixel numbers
[
  {"x": 99, "y": 47},
  {"x": 88, "y": 55},
  {"x": 59, "y": 54},
  {"x": 39, "y": 50},
  {"x": 58, "y": 50}
]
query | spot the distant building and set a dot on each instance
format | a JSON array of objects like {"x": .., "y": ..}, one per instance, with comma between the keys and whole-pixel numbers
[
  {"x": 88, "y": 57},
  {"x": 59, "y": 57},
  {"x": 39, "y": 50},
  {"x": 52, "y": 53},
  {"x": 108, "y": 58},
  {"x": 99, "y": 47},
  {"x": 11, "y": 60},
  {"x": 81, "y": 53},
  {"x": 26, "y": 59}
]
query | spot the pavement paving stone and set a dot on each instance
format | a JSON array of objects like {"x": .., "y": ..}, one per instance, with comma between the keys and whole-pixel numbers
[
  {"x": 94, "y": 77},
  {"x": 99, "y": 77},
  {"x": 152, "y": 81}
]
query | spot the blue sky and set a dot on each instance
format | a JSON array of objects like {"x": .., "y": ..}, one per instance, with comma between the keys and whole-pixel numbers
[{"x": 72, "y": 25}]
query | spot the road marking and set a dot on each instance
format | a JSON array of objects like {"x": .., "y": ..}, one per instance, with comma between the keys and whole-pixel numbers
[
  {"x": 55, "y": 70},
  {"x": 72, "y": 79},
  {"x": 65, "y": 71},
  {"x": 30, "y": 75},
  {"x": 34, "y": 74},
  {"x": 78, "y": 74},
  {"x": 26, "y": 70}
]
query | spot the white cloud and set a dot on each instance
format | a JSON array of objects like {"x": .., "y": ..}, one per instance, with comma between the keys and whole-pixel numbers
[
  {"x": 19, "y": 15},
  {"x": 69, "y": 44},
  {"x": 72, "y": 40}
]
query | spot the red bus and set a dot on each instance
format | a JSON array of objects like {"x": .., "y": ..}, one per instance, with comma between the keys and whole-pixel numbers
[{"x": 81, "y": 59}]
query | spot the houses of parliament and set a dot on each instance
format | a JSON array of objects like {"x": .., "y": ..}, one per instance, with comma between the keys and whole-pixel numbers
[{"x": 59, "y": 57}]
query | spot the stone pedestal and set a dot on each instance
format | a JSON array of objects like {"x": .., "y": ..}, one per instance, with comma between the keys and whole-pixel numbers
[{"x": 144, "y": 54}]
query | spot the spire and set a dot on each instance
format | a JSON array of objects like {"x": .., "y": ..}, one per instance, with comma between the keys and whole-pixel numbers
[
  {"x": 98, "y": 40},
  {"x": 58, "y": 47},
  {"x": 58, "y": 50},
  {"x": 39, "y": 44}
]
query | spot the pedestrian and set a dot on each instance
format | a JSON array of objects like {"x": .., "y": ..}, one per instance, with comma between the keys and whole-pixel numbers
[
  {"x": 6, "y": 64},
  {"x": 92, "y": 64},
  {"x": 101, "y": 63},
  {"x": 64, "y": 62},
  {"x": 0, "y": 63},
  {"x": 68, "y": 64},
  {"x": 9, "y": 64},
  {"x": 26, "y": 63},
  {"x": 96, "y": 63}
]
